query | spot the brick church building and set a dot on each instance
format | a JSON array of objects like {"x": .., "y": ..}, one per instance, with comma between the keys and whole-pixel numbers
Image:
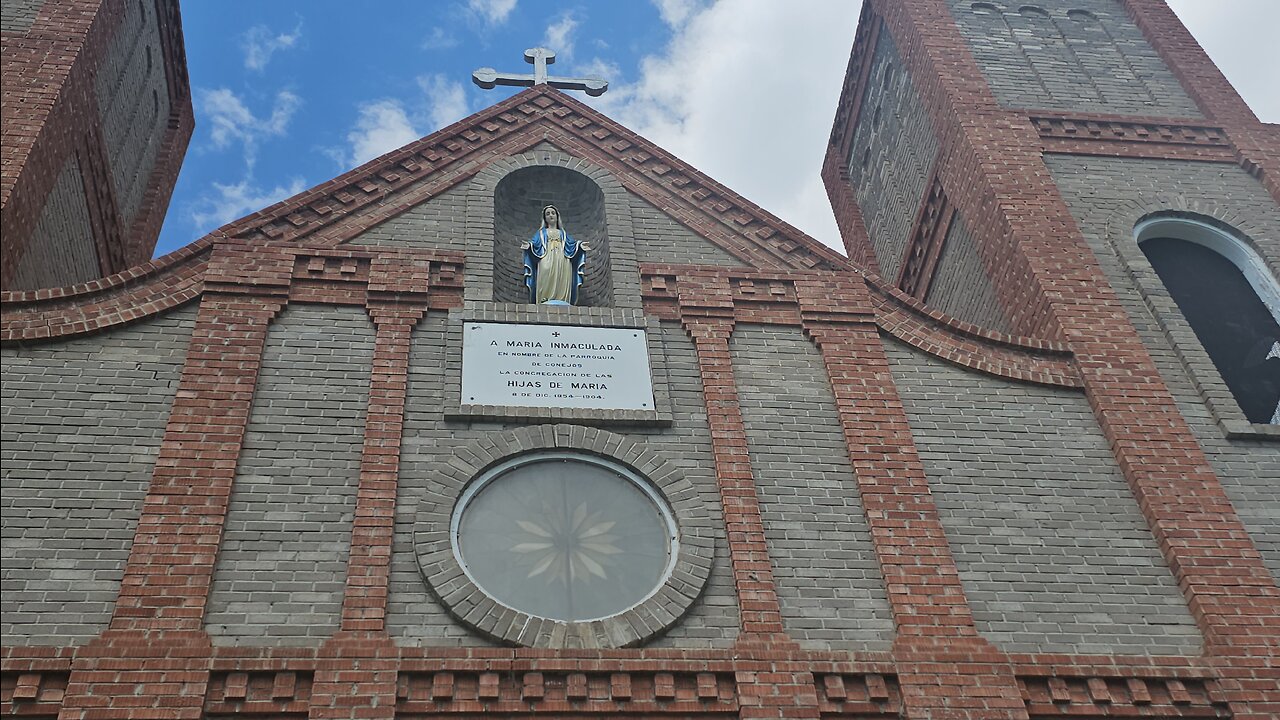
[{"x": 1016, "y": 456}]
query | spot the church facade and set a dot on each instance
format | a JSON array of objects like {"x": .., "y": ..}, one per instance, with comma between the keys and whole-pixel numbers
[{"x": 332, "y": 462}]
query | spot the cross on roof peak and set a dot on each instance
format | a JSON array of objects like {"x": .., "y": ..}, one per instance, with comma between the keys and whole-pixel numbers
[{"x": 540, "y": 58}]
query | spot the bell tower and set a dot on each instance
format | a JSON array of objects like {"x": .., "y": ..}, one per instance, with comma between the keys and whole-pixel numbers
[{"x": 97, "y": 110}]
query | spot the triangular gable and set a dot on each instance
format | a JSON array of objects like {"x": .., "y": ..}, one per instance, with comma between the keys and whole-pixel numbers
[{"x": 342, "y": 208}]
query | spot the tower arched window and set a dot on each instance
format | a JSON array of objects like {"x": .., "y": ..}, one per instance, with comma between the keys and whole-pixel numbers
[{"x": 1231, "y": 301}]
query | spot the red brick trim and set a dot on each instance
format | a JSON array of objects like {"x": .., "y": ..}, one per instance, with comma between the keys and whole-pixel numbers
[
  {"x": 1016, "y": 358},
  {"x": 144, "y": 233},
  {"x": 943, "y": 662},
  {"x": 1122, "y": 136},
  {"x": 356, "y": 678},
  {"x": 182, "y": 516},
  {"x": 1154, "y": 151},
  {"x": 1122, "y": 128},
  {"x": 182, "y": 276},
  {"x": 535, "y": 115},
  {"x": 51, "y": 68},
  {"x": 453, "y": 681},
  {"x": 364, "y": 602},
  {"x": 853, "y": 229},
  {"x": 924, "y": 245},
  {"x": 835, "y": 166},
  {"x": 45, "y": 74},
  {"x": 761, "y": 615},
  {"x": 158, "y": 617},
  {"x": 104, "y": 216},
  {"x": 924, "y": 585}
]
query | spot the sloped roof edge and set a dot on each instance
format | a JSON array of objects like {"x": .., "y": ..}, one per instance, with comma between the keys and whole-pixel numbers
[{"x": 669, "y": 183}]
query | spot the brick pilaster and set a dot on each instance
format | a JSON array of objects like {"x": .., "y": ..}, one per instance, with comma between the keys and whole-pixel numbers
[
  {"x": 919, "y": 571},
  {"x": 748, "y": 550},
  {"x": 158, "y": 620},
  {"x": 368, "y": 691},
  {"x": 935, "y": 626},
  {"x": 364, "y": 602}
]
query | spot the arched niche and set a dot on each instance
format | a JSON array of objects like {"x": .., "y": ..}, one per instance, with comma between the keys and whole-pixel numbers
[
  {"x": 518, "y": 200},
  {"x": 1230, "y": 299}
]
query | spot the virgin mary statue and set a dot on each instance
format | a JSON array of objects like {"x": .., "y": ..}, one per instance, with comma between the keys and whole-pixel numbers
[{"x": 553, "y": 262}]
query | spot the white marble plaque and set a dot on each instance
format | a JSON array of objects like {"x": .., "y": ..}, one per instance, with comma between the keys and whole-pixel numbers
[{"x": 555, "y": 366}]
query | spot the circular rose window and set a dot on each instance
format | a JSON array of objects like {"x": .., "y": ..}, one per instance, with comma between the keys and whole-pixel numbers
[{"x": 564, "y": 536}]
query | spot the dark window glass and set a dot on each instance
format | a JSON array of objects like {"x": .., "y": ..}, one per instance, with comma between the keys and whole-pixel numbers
[{"x": 1235, "y": 328}]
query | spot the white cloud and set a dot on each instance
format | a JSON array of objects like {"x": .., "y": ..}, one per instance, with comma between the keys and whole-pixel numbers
[
  {"x": 446, "y": 100},
  {"x": 600, "y": 68},
  {"x": 559, "y": 36},
  {"x": 231, "y": 121},
  {"x": 230, "y": 202},
  {"x": 381, "y": 127},
  {"x": 494, "y": 12},
  {"x": 675, "y": 12},
  {"x": 1240, "y": 38},
  {"x": 260, "y": 44},
  {"x": 753, "y": 115},
  {"x": 391, "y": 123},
  {"x": 439, "y": 39}
]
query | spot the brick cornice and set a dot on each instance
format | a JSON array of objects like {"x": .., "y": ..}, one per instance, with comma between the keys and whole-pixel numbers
[
  {"x": 344, "y": 275},
  {"x": 454, "y": 680},
  {"x": 675, "y": 291}
]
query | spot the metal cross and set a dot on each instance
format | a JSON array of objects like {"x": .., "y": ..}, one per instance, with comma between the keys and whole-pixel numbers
[{"x": 540, "y": 58}]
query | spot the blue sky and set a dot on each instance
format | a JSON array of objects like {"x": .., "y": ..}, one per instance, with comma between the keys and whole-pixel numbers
[{"x": 290, "y": 93}]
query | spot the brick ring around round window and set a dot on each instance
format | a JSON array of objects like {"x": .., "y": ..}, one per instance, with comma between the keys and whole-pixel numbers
[{"x": 564, "y": 536}]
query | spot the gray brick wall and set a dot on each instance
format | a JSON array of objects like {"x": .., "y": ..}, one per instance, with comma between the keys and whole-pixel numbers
[
  {"x": 893, "y": 150},
  {"x": 133, "y": 104},
  {"x": 82, "y": 423},
  {"x": 661, "y": 239},
  {"x": 961, "y": 287},
  {"x": 713, "y": 620},
  {"x": 16, "y": 16},
  {"x": 1108, "y": 197},
  {"x": 282, "y": 565},
  {"x": 436, "y": 224},
  {"x": 1070, "y": 55},
  {"x": 1053, "y": 552},
  {"x": 61, "y": 250},
  {"x": 415, "y": 617},
  {"x": 827, "y": 575}
]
